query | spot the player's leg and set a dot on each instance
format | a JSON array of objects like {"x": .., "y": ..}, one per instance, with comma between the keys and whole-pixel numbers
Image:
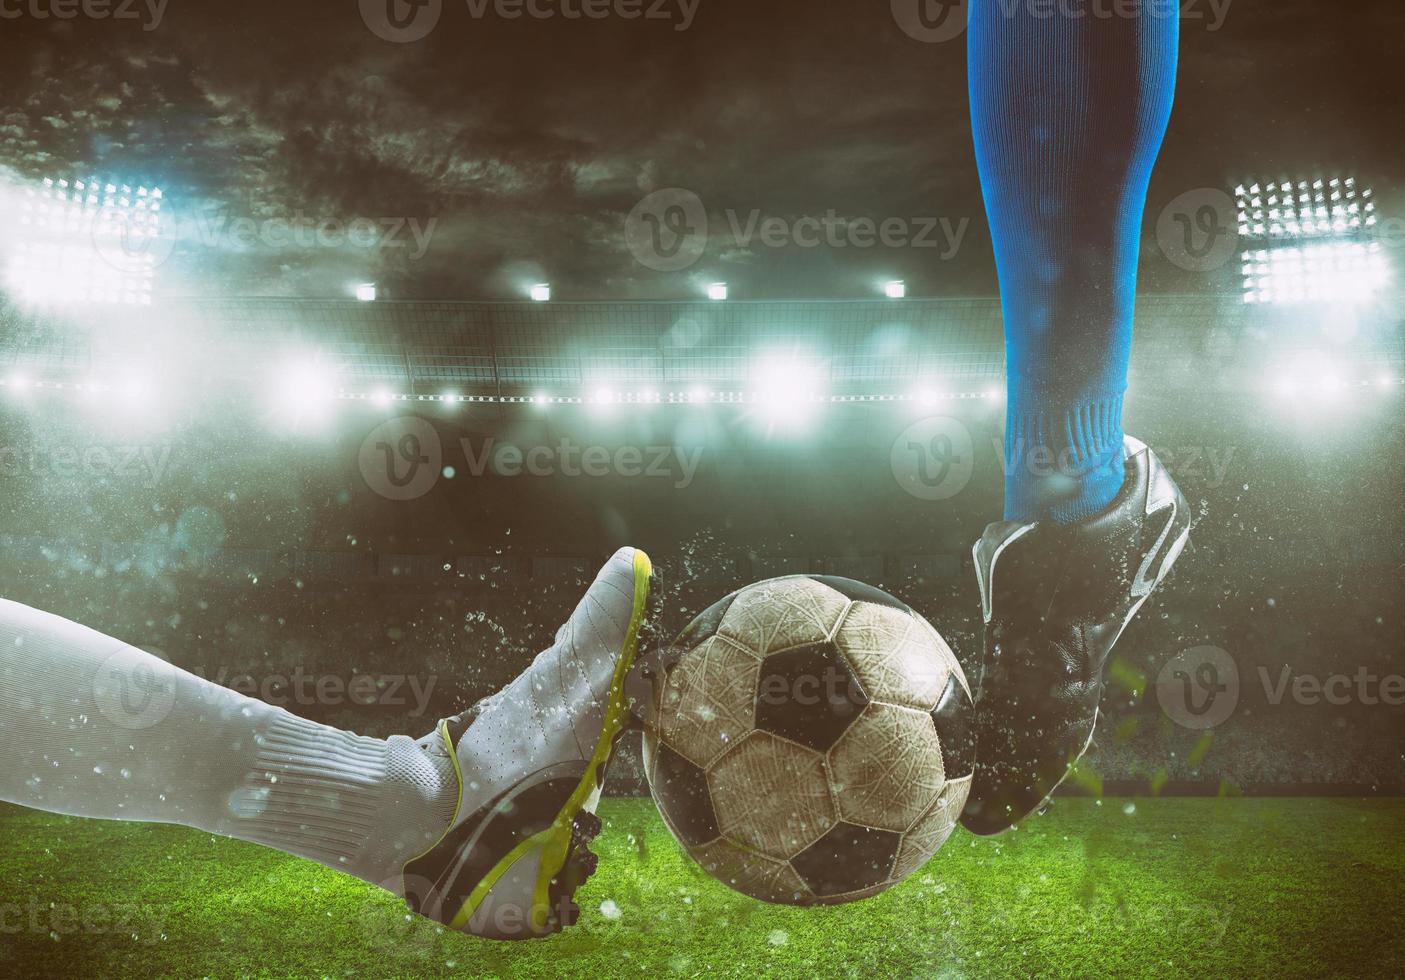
[
  {"x": 488, "y": 807},
  {"x": 1069, "y": 114}
]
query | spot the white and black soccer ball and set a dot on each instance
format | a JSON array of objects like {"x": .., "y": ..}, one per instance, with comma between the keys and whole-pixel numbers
[{"x": 812, "y": 742}]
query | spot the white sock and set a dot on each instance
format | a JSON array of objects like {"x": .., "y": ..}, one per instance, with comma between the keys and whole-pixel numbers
[{"x": 96, "y": 728}]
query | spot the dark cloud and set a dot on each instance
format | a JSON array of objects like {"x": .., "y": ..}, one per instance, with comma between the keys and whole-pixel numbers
[{"x": 526, "y": 142}]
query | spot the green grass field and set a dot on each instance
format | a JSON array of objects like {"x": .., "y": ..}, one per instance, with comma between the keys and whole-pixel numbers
[{"x": 1237, "y": 887}]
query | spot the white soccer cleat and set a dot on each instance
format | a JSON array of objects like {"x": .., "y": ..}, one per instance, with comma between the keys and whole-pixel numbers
[{"x": 530, "y": 762}]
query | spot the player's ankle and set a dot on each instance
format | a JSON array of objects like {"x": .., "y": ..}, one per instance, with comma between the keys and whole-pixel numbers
[{"x": 1063, "y": 457}]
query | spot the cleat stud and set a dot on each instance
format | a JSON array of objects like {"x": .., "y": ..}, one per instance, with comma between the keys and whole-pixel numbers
[
  {"x": 589, "y": 862},
  {"x": 588, "y": 825}
]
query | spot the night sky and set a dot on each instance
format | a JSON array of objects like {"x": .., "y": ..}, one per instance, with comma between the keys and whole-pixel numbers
[{"x": 517, "y": 147}]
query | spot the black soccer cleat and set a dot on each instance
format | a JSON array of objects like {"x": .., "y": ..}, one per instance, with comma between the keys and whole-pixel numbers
[{"x": 1055, "y": 599}]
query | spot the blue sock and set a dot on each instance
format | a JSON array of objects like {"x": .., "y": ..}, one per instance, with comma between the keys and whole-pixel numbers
[{"x": 1069, "y": 114}]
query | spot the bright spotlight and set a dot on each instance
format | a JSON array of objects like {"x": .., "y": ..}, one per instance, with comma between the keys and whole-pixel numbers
[
  {"x": 603, "y": 400},
  {"x": 82, "y": 244},
  {"x": 787, "y": 391},
  {"x": 1385, "y": 381},
  {"x": 993, "y": 394},
  {"x": 698, "y": 395},
  {"x": 366, "y": 292},
  {"x": 925, "y": 397},
  {"x": 541, "y": 399},
  {"x": 134, "y": 391},
  {"x": 1310, "y": 242},
  {"x": 541, "y": 292},
  {"x": 895, "y": 289},
  {"x": 17, "y": 382},
  {"x": 382, "y": 397},
  {"x": 717, "y": 291},
  {"x": 302, "y": 393}
]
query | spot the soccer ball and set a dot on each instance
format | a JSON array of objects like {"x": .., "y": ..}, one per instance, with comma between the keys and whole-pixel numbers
[{"x": 812, "y": 741}]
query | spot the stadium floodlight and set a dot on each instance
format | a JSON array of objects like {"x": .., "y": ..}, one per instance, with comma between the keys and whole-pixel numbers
[
  {"x": 1341, "y": 272},
  {"x": 303, "y": 394},
  {"x": 134, "y": 390},
  {"x": 82, "y": 242},
  {"x": 895, "y": 289},
  {"x": 698, "y": 395},
  {"x": 1309, "y": 241},
  {"x": 717, "y": 291},
  {"x": 541, "y": 399},
  {"x": 366, "y": 292},
  {"x": 382, "y": 397},
  {"x": 541, "y": 292},
  {"x": 603, "y": 399},
  {"x": 786, "y": 389},
  {"x": 925, "y": 397}
]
